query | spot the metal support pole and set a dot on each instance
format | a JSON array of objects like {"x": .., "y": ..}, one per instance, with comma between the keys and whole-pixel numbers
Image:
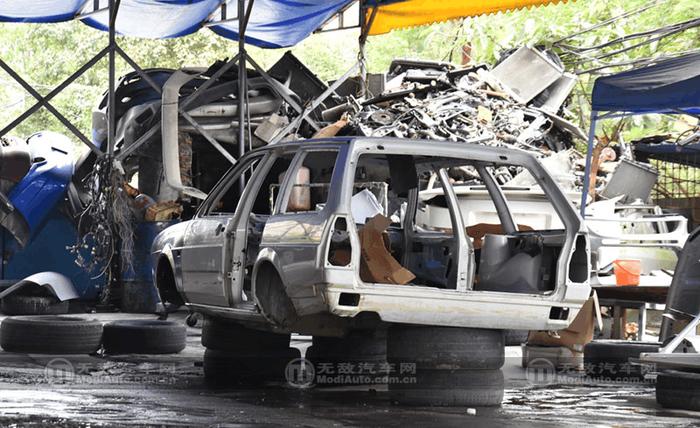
[
  {"x": 57, "y": 90},
  {"x": 49, "y": 107},
  {"x": 125, "y": 152},
  {"x": 138, "y": 69},
  {"x": 242, "y": 77},
  {"x": 111, "y": 113},
  {"x": 589, "y": 155},
  {"x": 366, "y": 25},
  {"x": 314, "y": 104}
]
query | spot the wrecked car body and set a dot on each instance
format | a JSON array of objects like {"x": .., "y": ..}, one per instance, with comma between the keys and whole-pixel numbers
[{"x": 286, "y": 249}]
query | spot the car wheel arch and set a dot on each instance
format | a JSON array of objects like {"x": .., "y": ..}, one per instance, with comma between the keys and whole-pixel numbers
[
  {"x": 272, "y": 298},
  {"x": 166, "y": 279}
]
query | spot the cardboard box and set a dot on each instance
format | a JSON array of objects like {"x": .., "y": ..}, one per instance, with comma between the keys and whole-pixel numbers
[
  {"x": 579, "y": 332},
  {"x": 377, "y": 264}
]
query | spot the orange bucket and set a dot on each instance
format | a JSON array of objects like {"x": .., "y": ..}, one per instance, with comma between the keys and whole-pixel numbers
[{"x": 627, "y": 271}]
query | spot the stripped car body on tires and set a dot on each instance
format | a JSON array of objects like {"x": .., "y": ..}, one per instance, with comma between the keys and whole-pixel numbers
[{"x": 271, "y": 266}]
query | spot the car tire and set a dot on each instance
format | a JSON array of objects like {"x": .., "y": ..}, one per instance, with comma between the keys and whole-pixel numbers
[
  {"x": 50, "y": 334},
  {"x": 222, "y": 368},
  {"x": 32, "y": 305},
  {"x": 144, "y": 337},
  {"x": 357, "y": 343},
  {"x": 224, "y": 335},
  {"x": 610, "y": 358},
  {"x": 449, "y": 388},
  {"x": 452, "y": 348},
  {"x": 678, "y": 390},
  {"x": 515, "y": 337}
]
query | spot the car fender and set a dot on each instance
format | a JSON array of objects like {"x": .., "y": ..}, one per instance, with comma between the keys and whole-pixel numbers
[
  {"x": 167, "y": 252},
  {"x": 267, "y": 255}
]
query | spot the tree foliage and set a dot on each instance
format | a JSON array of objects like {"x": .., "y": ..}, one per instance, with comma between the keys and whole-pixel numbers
[{"x": 46, "y": 54}]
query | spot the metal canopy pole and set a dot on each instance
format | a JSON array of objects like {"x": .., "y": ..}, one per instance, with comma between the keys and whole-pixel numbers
[
  {"x": 111, "y": 113},
  {"x": 589, "y": 155},
  {"x": 366, "y": 25},
  {"x": 243, "y": 16},
  {"x": 44, "y": 101},
  {"x": 183, "y": 107}
]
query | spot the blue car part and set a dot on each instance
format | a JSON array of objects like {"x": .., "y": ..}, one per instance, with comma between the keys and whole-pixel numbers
[
  {"x": 38, "y": 193},
  {"x": 47, "y": 251}
]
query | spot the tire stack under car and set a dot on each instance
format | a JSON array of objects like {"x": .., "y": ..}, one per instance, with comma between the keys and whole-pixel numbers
[
  {"x": 236, "y": 354},
  {"x": 361, "y": 352},
  {"x": 453, "y": 366}
]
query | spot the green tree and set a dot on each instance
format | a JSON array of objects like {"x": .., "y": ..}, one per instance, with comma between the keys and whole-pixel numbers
[{"x": 45, "y": 54}]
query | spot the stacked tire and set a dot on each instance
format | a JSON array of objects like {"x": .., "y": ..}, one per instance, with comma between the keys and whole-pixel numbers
[
  {"x": 239, "y": 355},
  {"x": 515, "y": 337},
  {"x": 610, "y": 359},
  {"x": 453, "y": 366},
  {"x": 361, "y": 355},
  {"x": 678, "y": 390}
]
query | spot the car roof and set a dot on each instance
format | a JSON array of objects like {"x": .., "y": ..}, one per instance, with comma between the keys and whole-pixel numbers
[{"x": 437, "y": 147}]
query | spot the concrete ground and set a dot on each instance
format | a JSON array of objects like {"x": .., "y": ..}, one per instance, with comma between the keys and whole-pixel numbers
[{"x": 170, "y": 391}]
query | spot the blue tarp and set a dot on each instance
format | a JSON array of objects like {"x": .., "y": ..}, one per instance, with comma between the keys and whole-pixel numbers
[
  {"x": 273, "y": 23},
  {"x": 669, "y": 86}
]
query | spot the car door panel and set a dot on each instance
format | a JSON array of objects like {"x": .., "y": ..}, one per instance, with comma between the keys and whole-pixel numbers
[{"x": 202, "y": 273}]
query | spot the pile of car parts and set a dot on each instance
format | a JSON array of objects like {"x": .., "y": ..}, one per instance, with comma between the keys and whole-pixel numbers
[{"x": 436, "y": 101}]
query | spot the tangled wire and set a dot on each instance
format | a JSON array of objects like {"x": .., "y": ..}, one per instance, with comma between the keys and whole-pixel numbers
[{"x": 105, "y": 224}]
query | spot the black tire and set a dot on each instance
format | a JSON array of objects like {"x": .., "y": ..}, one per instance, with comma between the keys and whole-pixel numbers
[
  {"x": 446, "y": 347},
  {"x": 678, "y": 390},
  {"x": 192, "y": 320},
  {"x": 610, "y": 358},
  {"x": 515, "y": 337},
  {"x": 449, "y": 388},
  {"x": 49, "y": 334},
  {"x": 32, "y": 305},
  {"x": 224, "y": 335},
  {"x": 223, "y": 368},
  {"x": 356, "y": 344},
  {"x": 144, "y": 337}
]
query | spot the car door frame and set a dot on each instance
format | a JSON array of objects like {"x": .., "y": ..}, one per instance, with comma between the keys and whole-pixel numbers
[
  {"x": 236, "y": 232},
  {"x": 219, "y": 222}
]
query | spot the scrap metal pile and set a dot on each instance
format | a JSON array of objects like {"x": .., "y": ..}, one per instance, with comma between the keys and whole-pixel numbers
[
  {"x": 437, "y": 101},
  {"x": 461, "y": 106}
]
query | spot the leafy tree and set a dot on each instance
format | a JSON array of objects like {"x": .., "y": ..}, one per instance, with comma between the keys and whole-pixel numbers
[{"x": 46, "y": 54}]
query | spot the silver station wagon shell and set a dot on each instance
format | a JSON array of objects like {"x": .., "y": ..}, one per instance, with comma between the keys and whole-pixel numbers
[{"x": 295, "y": 246}]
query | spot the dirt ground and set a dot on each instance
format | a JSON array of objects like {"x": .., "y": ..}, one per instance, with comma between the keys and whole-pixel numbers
[{"x": 170, "y": 391}]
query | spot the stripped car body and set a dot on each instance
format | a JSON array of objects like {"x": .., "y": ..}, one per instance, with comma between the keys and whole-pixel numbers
[{"x": 276, "y": 269}]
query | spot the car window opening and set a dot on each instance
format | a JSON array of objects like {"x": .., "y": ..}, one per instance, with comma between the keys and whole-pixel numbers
[{"x": 414, "y": 239}]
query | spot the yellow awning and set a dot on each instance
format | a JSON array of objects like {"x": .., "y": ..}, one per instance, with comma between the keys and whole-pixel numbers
[{"x": 411, "y": 13}]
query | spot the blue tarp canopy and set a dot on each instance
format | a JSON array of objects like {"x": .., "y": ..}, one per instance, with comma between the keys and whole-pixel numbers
[
  {"x": 669, "y": 86},
  {"x": 273, "y": 23}
]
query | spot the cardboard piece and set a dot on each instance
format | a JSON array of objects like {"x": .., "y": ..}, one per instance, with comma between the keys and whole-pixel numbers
[
  {"x": 479, "y": 230},
  {"x": 579, "y": 332},
  {"x": 377, "y": 264}
]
